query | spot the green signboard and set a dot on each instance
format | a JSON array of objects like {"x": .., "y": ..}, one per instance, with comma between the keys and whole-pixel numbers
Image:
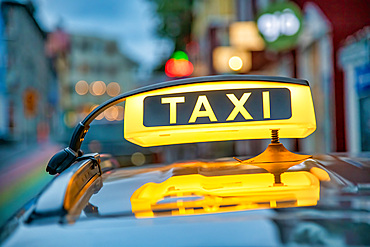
[{"x": 280, "y": 25}]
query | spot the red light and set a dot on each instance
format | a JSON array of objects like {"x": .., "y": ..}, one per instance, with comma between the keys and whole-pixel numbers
[
  {"x": 178, "y": 68},
  {"x": 192, "y": 48}
]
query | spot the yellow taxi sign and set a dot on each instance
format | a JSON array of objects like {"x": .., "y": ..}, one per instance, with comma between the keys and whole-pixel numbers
[{"x": 220, "y": 109}]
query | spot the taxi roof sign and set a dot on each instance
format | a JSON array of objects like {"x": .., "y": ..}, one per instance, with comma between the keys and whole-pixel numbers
[{"x": 219, "y": 108}]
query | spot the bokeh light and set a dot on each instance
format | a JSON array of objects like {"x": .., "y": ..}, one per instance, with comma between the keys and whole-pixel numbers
[
  {"x": 100, "y": 116},
  {"x": 138, "y": 159},
  {"x": 192, "y": 48},
  {"x": 179, "y": 55},
  {"x": 244, "y": 35},
  {"x": 113, "y": 89},
  {"x": 97, "y": 88},
  {"x": 228, "y": 59},
  {"x": 111, "y": 114},
  {"x": 121, "y": 111},
  {"x": 178, "y": 68},
  {"x": 235, "y": 63},
  {"x": 70, "y": 119},
  {"x": 280, "y": 25},
  {"x": 82, "y": 87},
  {"x": 269, "y": 26}
]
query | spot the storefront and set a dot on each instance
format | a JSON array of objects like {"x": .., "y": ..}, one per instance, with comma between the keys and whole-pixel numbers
[{"x": 355, "y": 60}]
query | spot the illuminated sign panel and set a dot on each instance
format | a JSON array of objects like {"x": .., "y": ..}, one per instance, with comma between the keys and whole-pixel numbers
[
  {"x": 222, "y": 106},
  {"x": 219, "y": 111}
]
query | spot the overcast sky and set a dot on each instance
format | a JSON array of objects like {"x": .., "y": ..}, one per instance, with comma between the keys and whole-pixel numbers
[{"x": 131, "y": 23}]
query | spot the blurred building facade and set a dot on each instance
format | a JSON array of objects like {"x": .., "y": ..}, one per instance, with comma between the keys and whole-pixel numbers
[
  {"x": 90, "y": 70},
  {"x": 340, "y": 25},
  {"x": 4, "y": 122},
  {"x": 210, "y": 29},
  {"x": 29, "y": 86},
  {"x": 97, "y": 59},
  {"x": 314, "y": 56},
  {"x": 354, "y": 57}
]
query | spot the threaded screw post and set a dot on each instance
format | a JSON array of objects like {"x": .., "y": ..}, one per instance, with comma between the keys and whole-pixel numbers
[{"x": 275, "y": 136}]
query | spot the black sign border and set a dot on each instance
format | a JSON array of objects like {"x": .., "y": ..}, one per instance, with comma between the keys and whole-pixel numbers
[{"x": 218, "y": 90}]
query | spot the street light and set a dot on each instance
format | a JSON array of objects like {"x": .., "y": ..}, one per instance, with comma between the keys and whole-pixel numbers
[
  {"x": 235, "y": 63},
  {"x": 227, "y": 59}
]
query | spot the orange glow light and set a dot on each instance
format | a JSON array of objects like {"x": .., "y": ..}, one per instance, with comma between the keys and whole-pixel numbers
[
  {"x": 100, "y": 116},
  {"x": 235, "y": 63},
  {"x": 113, "y": 89},
  {"x": 225, "y": 59},
  {"x": 97, "y": 88},
  {"x": 82, "y": 87},
  {"x": 120, "y": 113},
  {"x": 111, "y": 113},
  {"x": 244, "y": 35}
]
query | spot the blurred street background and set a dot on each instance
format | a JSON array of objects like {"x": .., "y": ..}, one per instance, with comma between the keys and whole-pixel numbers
[{"x": 60, "y": 59}]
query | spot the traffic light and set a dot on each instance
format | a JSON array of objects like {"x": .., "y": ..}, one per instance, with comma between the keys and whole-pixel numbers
[{"x": 179, "y": 65}]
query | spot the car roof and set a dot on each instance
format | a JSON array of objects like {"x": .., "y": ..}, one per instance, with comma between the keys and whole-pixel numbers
[{"x": 107, "y": 217}]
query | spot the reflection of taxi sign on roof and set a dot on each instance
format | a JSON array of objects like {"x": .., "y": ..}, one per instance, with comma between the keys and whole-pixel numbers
[
  {"x": 218, "y": 109},
  {"x": 197, "y": 194}
]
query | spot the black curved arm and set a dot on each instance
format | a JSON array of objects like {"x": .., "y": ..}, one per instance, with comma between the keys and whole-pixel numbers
[{"x": 64, "y": 158}]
